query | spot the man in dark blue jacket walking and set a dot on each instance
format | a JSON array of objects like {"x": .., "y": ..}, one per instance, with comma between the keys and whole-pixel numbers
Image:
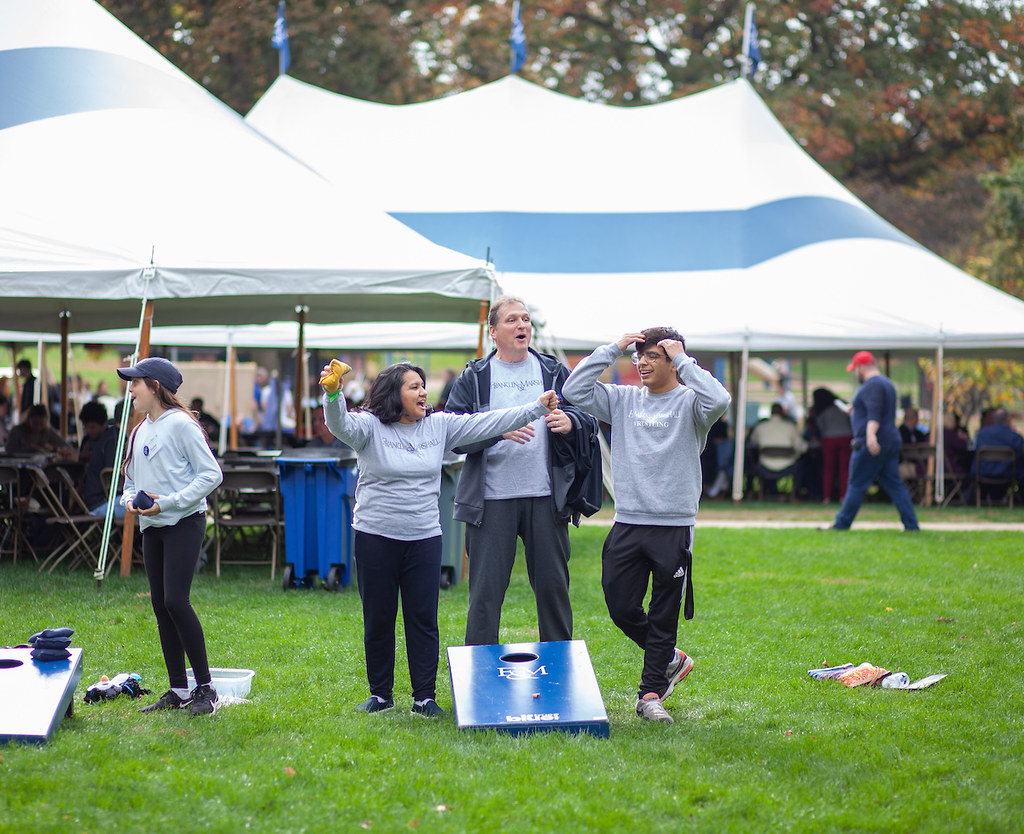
[{"x": 876, "y": 445}]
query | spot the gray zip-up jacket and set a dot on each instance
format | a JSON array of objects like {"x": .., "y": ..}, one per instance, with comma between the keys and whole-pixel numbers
[{"x": 471, "y": 393}]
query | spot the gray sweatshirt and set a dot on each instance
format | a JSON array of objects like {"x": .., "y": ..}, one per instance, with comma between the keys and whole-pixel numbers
[
  {"x": 656, "y": 438},
  {"x": 400, "y": 463},
  {"x": 171, "y": 459}
]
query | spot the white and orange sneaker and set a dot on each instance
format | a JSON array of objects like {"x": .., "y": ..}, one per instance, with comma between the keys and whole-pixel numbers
[{"x": 678, "y": 669}]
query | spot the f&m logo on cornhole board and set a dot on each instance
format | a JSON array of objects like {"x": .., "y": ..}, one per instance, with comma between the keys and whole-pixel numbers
[{"x": 527, "y": 687}]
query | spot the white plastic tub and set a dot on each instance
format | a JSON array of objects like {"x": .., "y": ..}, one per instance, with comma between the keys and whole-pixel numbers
[{"x": 234, "y": 683}]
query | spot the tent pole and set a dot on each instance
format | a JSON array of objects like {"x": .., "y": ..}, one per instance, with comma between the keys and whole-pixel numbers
[
  {"x": 127, "y": 412},
  {"x": 226, "y": 409},
  {"x": 938, "y": 426},
  {"x": 15, "y": 413},
  {"x": 42, "y": 392},
  {"x": 233, "y": 394},
  {"x": 298, "y": 394},
  {"x": 128, "y": 539},
  {"x": 741, "y": 425},
  {"x": 483, "y": 322},
  {"x": 804, "y": 364},
  {"x": 64, "y": 316}
]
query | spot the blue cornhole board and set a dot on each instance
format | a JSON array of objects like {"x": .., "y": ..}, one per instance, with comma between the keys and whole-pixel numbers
[
  {"x": 526, "y": 688},
  {"x": 35, "y": 696}
]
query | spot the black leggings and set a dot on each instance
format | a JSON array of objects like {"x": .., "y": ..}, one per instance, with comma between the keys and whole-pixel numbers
[{"x": 171, "y": 554}]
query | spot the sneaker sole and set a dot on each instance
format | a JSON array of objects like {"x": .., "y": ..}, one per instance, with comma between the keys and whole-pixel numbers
[
  {"x": 216, "y": 706},
  {"x": 155, "y": 708},
  {"x": 678, "y": 676}
]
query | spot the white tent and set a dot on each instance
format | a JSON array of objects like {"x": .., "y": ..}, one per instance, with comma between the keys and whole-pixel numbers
[
  {"x": 112, "y": 159},
  {"x": 702, "y": 213}
]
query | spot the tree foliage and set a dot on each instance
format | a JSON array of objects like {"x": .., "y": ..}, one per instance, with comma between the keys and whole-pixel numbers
[
  {"x": 1005, "y": 225},
  {"x": 878, "y": 90}
]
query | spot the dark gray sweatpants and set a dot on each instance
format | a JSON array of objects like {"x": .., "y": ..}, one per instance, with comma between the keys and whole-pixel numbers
[{"x": 492, "y": 553}]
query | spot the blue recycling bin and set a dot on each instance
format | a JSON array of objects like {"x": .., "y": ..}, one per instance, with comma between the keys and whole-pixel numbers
[{"x": 319, "y": 495}]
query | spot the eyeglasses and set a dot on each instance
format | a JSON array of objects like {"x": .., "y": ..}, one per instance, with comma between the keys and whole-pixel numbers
[{"x": 650, "y": 356}]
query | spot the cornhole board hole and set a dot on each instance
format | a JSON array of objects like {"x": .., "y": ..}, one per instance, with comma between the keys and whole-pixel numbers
[
  {"x": 35, "y": 696},
  {"x": 527, "y": 687}
]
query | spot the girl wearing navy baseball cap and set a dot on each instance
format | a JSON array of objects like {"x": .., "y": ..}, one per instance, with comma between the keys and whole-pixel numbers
[{"x": 169, "y": 471}]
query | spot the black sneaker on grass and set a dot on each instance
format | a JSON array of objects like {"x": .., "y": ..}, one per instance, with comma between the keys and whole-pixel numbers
[
  {"x": 167, "y": 701},
  {"x": 376, "y": 704},
  {"x": 427, "y": 707},
  {"x": 204, "y": 700}
]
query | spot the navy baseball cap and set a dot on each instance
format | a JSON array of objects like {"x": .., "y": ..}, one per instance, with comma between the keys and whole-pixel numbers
[{"x": 155, "y": 367}]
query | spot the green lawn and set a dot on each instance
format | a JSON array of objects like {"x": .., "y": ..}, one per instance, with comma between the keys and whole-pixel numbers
[{"x": 756, "y": 746}]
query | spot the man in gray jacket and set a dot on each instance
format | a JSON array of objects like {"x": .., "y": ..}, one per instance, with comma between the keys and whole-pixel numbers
[
  {"x": 505, "y": 489},
  {"x": 658, "y": 433}
]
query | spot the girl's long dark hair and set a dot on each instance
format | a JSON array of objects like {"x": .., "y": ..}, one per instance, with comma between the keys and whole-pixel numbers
[
  {"x": 169, "y": 401},
  {"x": 384, "y": 399}
]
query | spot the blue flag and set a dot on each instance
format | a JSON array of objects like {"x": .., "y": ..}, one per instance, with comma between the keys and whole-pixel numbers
[
  {"x": 280, "y": 39},
  {"x": 753, "y": 50},
  {"x": 518, "y": 39}
]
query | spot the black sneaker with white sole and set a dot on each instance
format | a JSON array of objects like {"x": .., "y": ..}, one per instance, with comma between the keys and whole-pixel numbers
[
  {"x": 376, "y": 704},
  {"x": 427, "y": 707},
  {"x": 204, "y": 700},
  {"x": 169, "y": 700}
]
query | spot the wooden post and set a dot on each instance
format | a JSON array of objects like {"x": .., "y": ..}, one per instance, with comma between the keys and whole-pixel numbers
[
  {"x": 299, "y": 394},
  {"x": 483, "y": 324},
  {"x": 128, "y": 538},
  {"x": 233, "y": 399},
  {"x": 64, "y": 423},
  {"x": 15, "y": 413}
]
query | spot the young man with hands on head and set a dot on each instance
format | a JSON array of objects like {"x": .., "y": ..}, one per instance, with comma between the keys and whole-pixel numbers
[{"x": 658, "y": 432}]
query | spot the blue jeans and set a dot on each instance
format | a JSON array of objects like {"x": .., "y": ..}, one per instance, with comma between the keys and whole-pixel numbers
[
  {"x": 864, "y": 469},
  {"x": 101, "y": 510}
]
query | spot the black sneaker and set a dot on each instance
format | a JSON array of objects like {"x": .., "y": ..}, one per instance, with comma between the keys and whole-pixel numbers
[
  {"x": 204, "y": 700},
  {"x": 376, "y": 704},
  {"x": 427, "y": 707},
  {"x": 169, "y": 700}
]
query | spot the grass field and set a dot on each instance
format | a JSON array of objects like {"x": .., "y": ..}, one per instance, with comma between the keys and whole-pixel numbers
[{"x": 756, "y": 746}]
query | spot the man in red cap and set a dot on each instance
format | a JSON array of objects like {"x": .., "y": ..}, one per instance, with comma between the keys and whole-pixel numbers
[{"x": 876, "y": 445}]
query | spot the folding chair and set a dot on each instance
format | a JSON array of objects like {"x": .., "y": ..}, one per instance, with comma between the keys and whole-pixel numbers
[
  {"x": 247, "y": 499},
  {"x": 956, "y": 484},
  {"x": 767, "y": 475},
  {"x": 10, "y": 513},
  {"x": 994, "y": 454},
  {"x": 77, "y": 526},
  {"x": 918, "y": 483}
]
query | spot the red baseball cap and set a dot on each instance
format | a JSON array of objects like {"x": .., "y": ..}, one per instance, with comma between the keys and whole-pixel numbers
[{"x": 861, "y": 357}]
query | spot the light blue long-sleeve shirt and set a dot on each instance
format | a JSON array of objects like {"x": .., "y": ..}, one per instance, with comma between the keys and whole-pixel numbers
[
  {"x": 170, "y": 458},
  {"x": 656, "y": 438},
  {"x": 400, "y": 463}
]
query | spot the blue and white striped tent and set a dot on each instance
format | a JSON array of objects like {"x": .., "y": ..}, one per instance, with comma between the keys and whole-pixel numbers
[
  {"x": 110, "y": 156},
  {"x": 702, "y": 213}
]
